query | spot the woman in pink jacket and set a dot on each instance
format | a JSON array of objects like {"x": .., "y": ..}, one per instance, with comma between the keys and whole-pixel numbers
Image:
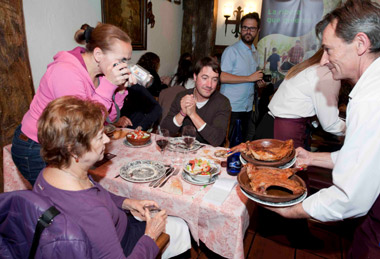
[{"x": 98, "y": 72}]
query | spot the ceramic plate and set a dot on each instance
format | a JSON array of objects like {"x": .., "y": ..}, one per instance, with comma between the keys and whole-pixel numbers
[
  {"x": 263, "y": 143},
  {"x": 177, "y": 144},
  {"x": 275, "y": 194},
  {"x": 274, "y": 204},
  {"x": 187, "y": 178},
  {"x": 130, "y": 145},
  {"x": 287, "y": 165},
  {"x": 142, "y": 171}
]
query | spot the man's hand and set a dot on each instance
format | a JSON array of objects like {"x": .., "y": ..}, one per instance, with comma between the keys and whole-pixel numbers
[
  {"x": 258, "y": 75},
  {"x": 191, "y": 107},
  {"x": 304, "y": 157},
  {"x": 292, "y": 212},
  {"x": 187, "y": 101}
]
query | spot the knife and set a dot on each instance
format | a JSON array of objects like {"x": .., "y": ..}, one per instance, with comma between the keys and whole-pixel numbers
[
  {"x": 167, "y": 177},
  {"x": 154, "y": 183}
]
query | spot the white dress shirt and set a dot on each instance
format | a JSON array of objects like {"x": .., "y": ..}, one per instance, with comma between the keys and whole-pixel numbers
[
  {"x": 356, "y": 173},
  {"x": 311, "y": 92}
]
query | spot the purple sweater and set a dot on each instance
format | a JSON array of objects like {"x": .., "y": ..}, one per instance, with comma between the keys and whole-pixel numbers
[
  {"x": 66, "y": 75},
  {"x": 98, "y": 212}
]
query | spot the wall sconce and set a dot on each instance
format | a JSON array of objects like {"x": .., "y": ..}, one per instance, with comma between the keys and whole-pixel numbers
[{"x": 237, "y": 13}]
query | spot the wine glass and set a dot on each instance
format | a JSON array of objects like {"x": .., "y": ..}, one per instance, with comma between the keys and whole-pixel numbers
[
  {"x": 162, "y": 139},
  {"x": 188, "y": 136}
]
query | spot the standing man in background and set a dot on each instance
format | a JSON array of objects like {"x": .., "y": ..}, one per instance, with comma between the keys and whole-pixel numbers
[
  {"x": 296, "y": 53},
  {"x": 238, "y": 77}
]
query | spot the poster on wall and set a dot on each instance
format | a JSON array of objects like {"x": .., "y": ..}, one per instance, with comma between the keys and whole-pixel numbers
[{"x": 287, "y": 35}]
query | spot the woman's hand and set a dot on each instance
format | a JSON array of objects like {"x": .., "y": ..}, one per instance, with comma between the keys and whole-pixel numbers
[
  {"x": 118, "y": 74},
  {"x": 123, "y": 122},
  {"x": 304, "y": 157},
  {"x": 156, "y": 225},
  {"x": 138, "y": 205}
]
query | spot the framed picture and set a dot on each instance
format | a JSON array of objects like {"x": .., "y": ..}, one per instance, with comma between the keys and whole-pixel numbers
[{"x": 130, "y": 16}]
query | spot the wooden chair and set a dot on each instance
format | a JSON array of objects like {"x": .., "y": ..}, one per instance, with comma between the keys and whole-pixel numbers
[{"x": 162, "y": 242}]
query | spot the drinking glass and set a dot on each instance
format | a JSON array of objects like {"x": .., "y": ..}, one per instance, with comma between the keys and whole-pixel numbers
[
  {"x": 162, "y": 139},
  {"x": 188, "y": 136}
]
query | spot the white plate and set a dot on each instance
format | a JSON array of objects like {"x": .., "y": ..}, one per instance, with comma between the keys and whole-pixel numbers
[
  {"x": 187, "y": 178},
  {"x": 214, "y": 169},
  {"x": 142, "y": 171},
  {"x": 274, "y": 204},
  {"x": 126, "y": 142},
  {"x": 177, "y": 144},
  {"x": 287, "y": 165}
]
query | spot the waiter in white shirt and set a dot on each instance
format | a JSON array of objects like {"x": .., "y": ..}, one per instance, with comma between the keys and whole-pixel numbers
[{"x": 351, "y": 43}]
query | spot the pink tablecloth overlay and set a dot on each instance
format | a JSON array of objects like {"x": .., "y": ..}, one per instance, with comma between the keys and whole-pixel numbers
[
  {"x": 221, "y": 228},
  {"x": 13, "y": 180}
]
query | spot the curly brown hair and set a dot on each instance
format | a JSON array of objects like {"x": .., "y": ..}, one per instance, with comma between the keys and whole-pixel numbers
[{"x": 67, "y": 126}]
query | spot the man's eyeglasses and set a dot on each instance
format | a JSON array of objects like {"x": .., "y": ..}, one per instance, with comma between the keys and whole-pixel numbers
[{"x": 246, "y": 28}]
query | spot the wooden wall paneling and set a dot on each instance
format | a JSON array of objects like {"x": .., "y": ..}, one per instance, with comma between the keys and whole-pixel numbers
[
  {"x": 199, "y": 27},
  {"x": 16, "y": 85}
]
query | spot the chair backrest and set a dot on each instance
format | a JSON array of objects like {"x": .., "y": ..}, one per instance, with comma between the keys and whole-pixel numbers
[
  {"x": 19, "y": 212},
  {"x": 167, "y": 97}
]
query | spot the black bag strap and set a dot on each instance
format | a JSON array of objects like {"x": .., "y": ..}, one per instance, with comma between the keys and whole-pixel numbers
[{"x": 44, "y": 221}]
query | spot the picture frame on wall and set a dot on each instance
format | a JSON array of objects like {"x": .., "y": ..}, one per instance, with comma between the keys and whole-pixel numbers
[{"x": 130, "y": 16}]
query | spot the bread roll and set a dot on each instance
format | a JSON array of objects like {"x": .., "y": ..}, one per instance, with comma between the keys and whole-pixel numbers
[{"x": 174, "y": 185}]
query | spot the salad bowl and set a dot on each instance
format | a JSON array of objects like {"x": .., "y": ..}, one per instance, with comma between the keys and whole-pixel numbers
[{"x": 201, "y": 169}]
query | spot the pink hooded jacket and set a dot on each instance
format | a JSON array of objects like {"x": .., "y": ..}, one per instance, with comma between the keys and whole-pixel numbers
[{"x": 67, "y": 76}]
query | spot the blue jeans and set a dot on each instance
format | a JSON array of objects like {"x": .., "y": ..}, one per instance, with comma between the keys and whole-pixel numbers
[{"x": 26, "y": 156}]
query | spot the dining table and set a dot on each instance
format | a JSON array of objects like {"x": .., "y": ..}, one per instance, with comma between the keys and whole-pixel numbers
[{"x": 220, "y": 227}]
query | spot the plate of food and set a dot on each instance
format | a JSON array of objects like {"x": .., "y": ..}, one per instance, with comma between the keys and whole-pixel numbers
[
  {"x": 271, "y": 184},
  {"x": 177, "y": 144},
  {"x": 138, "y": 138},
  {"x": 142, "y": 171},
  {"x": 267, "y": 152},
  {"x": 287, "y": 165},
  {"x": 201, "y": 169}
]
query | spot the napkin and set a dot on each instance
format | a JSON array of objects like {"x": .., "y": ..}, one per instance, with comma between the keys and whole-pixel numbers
[{"x": 220, "y": 191}]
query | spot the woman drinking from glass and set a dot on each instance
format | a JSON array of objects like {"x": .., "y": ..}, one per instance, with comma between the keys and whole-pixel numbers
[{"x": 95, "y": 72}]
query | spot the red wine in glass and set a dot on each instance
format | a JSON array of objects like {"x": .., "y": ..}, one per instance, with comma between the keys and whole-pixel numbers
[
  {"x": 189, "y": 141},
  {"x": 162, "y": 143}
]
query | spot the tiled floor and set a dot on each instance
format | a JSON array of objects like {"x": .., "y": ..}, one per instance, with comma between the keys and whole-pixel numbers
[{"x": 336, "y": 238}]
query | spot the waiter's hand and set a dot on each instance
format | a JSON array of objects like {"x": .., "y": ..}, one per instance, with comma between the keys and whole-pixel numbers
[{"x": 304, "y": 157}]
